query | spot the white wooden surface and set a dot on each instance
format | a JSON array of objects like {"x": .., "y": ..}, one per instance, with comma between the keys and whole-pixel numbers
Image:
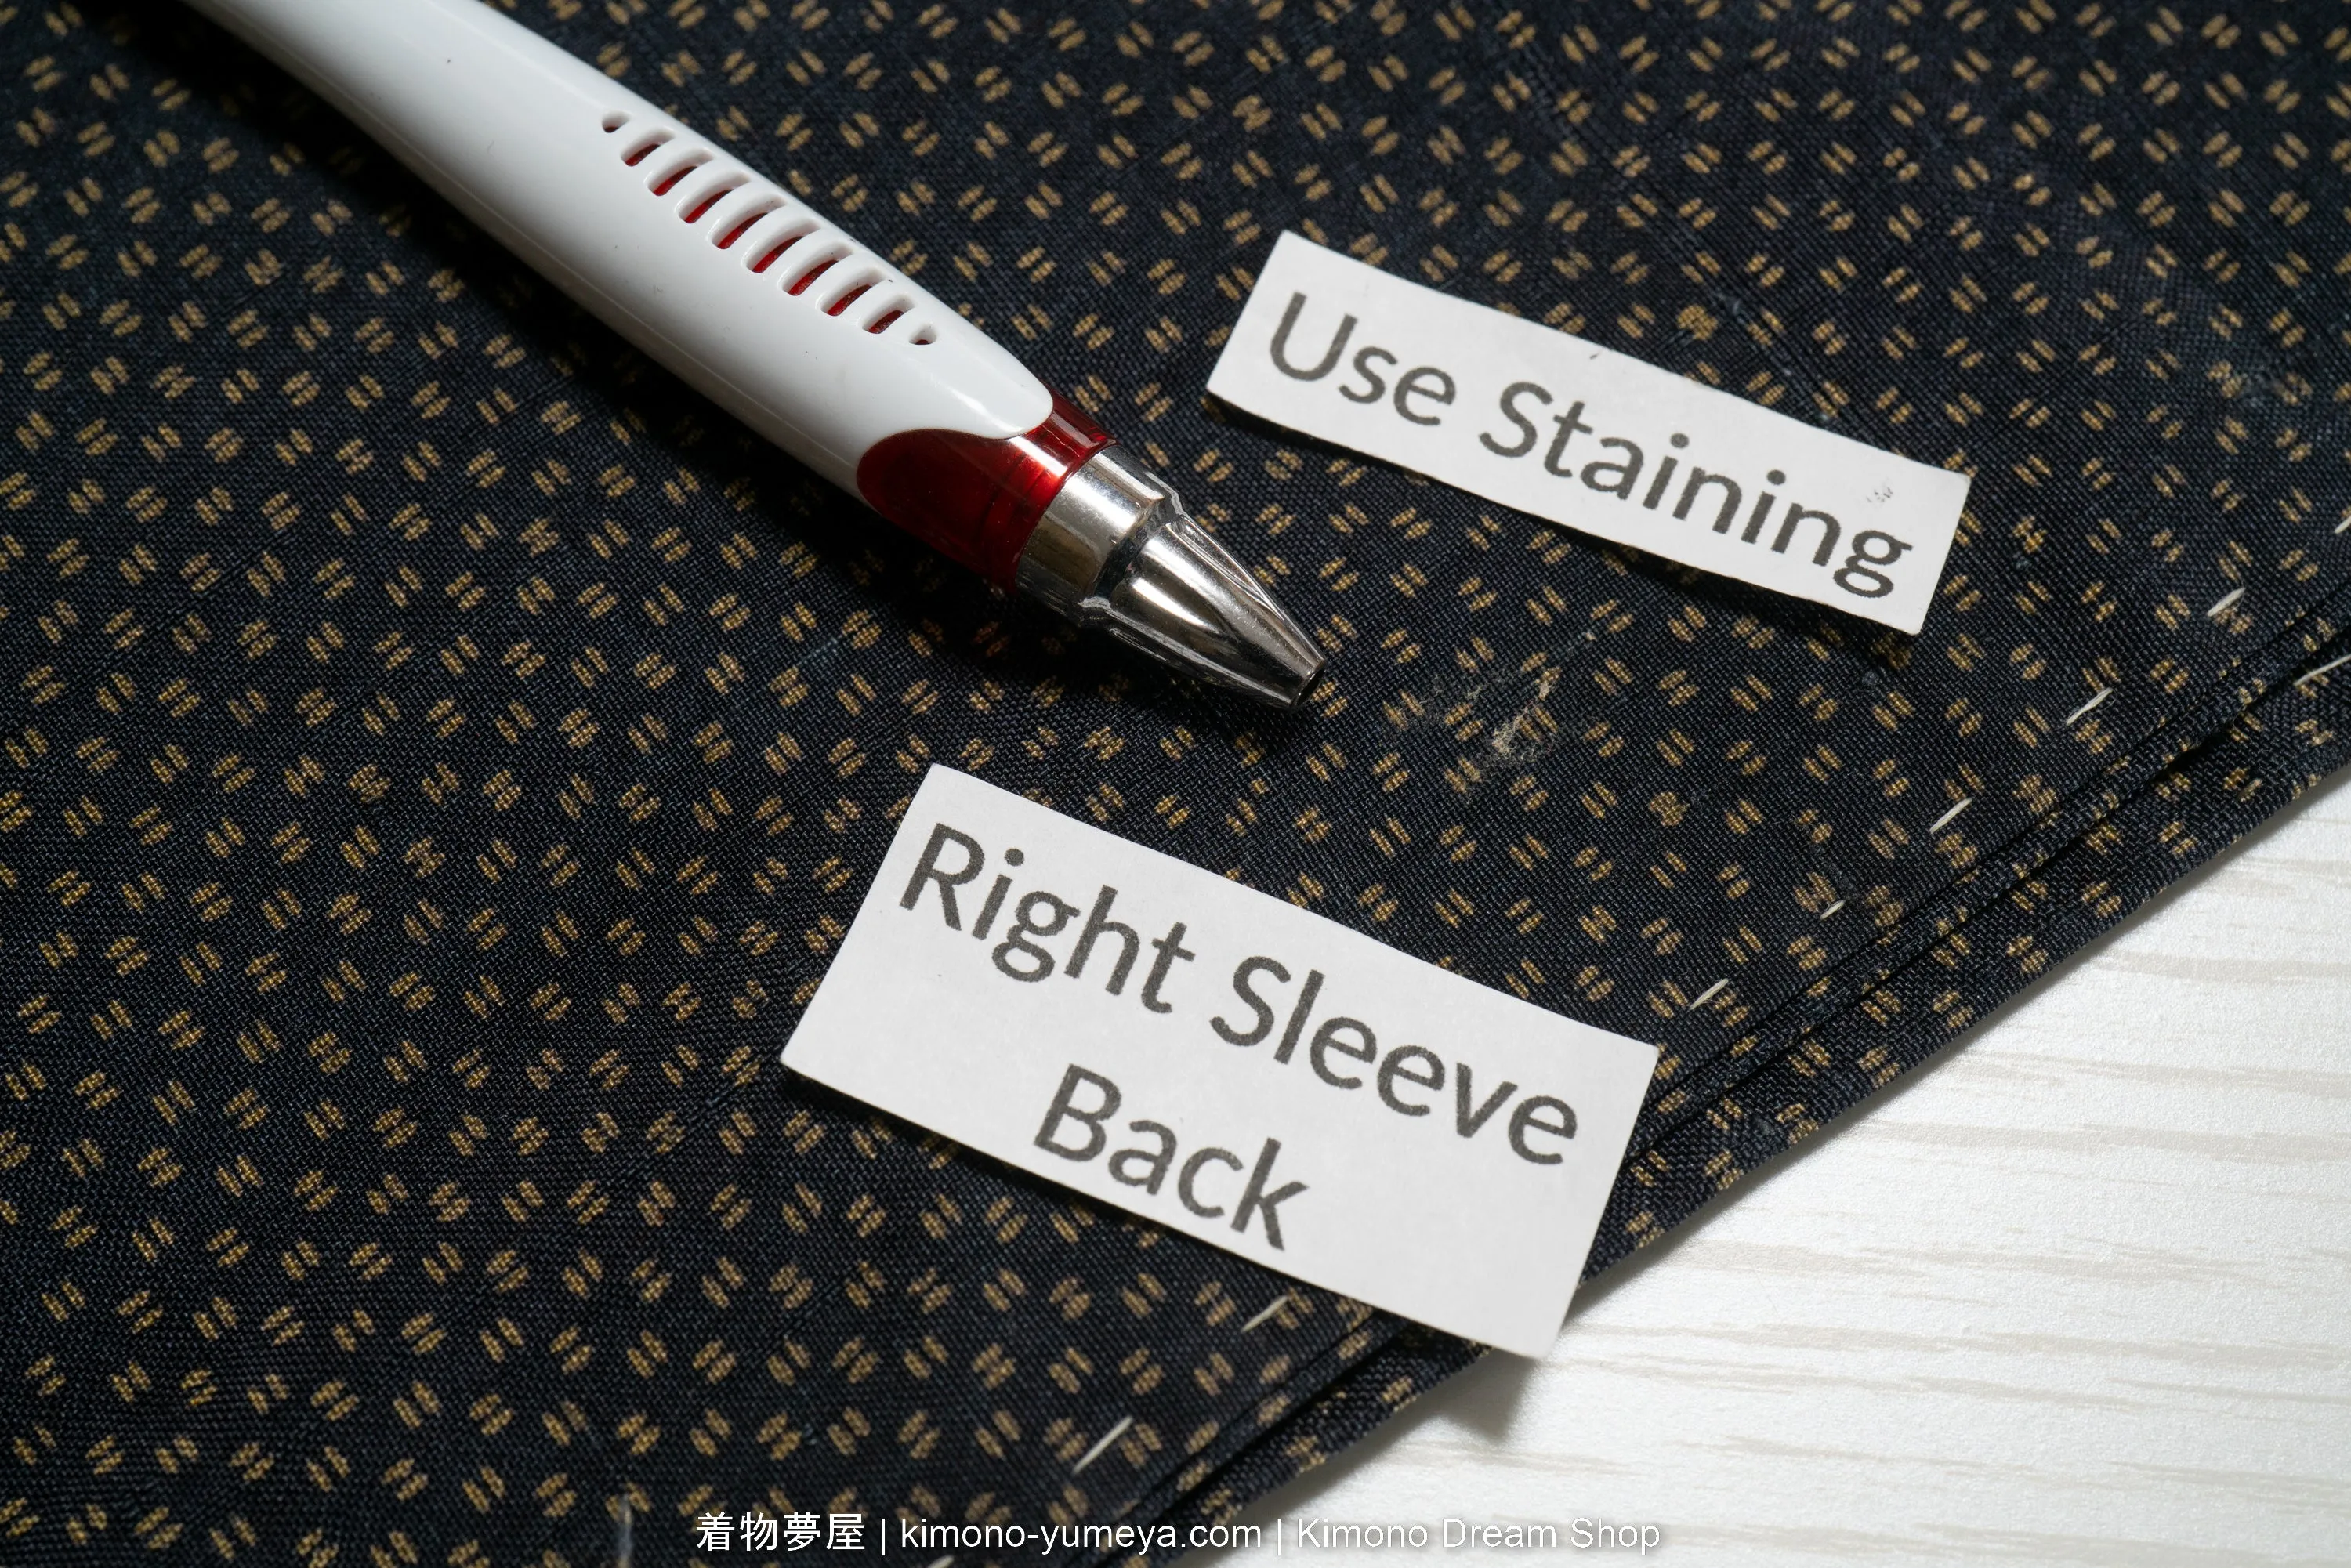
[{"x": 2080, "y": 1292}]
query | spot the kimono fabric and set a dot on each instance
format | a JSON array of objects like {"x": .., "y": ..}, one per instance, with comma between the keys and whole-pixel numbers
[{"x": 439, "y": 752}]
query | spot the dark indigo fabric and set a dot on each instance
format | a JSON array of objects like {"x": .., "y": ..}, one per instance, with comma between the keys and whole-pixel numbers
[{"x": 438, "y": 754}]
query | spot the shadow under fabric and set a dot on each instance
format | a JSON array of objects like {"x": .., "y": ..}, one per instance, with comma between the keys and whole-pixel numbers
[{"x": 438, "y": 753}]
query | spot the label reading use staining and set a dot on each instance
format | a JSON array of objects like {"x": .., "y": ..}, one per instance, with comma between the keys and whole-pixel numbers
[
  {"x": 1226, "y": 1064},
  {"x": 1552, "y": 424}
]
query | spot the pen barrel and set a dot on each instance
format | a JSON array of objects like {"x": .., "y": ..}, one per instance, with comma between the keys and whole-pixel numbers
[{"x": 728, "y": 279}]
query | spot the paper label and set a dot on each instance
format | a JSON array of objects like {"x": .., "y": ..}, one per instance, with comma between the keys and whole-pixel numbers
[
  {"x": 1549, "y": 424},
  {"x": 1226, "y": 1064}
]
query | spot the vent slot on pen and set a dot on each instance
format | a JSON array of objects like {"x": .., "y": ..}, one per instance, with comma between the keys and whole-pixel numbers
[
  {"x": 734, "y": 229},
  {"x": 641, "y": 147},
  {"x": 698, "y": 205},
  {"x": 859, "y": 287},
  {"x": 813, "y": 271},
  {"x": 760, "y": 222},
  {"x": 768, "y": 253},
  {"x": 666, "y": 179}
]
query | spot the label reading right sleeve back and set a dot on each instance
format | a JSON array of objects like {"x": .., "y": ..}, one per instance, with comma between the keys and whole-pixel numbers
[
  {"x": 1536, "y": 419},
  {"x": 1226, "y": 1064}
]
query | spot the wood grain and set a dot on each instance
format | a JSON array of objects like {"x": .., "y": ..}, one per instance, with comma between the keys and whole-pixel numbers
[{"x": 2078, "y": 1294}]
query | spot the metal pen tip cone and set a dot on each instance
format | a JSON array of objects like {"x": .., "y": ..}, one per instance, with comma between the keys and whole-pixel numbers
[
  {"x": 1188, "y": 601},
  {"x": 1116, "y": 549}
]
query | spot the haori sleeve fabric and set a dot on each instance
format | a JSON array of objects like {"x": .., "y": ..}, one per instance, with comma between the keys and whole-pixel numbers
[{"x": 441, "y": 752}]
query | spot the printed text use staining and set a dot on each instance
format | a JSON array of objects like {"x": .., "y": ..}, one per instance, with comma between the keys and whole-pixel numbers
[{"x": 1579, "y": 451}]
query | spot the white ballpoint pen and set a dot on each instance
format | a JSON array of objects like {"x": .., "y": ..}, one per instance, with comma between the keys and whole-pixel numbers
[{"x": 785, "y": 320}]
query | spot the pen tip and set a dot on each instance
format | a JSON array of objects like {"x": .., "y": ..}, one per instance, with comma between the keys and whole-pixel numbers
[
  {"x": 1116, "y": 549},
  {"x": 1185, "y": 600}
]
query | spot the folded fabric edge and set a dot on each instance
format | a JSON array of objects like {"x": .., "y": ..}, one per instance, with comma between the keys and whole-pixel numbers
[
  {"x": 1998, "y": 868},
  {"x": 2271, "y": 739}
]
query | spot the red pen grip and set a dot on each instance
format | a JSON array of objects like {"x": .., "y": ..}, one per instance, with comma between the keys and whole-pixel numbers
[{"x": 974, "y": 499}]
